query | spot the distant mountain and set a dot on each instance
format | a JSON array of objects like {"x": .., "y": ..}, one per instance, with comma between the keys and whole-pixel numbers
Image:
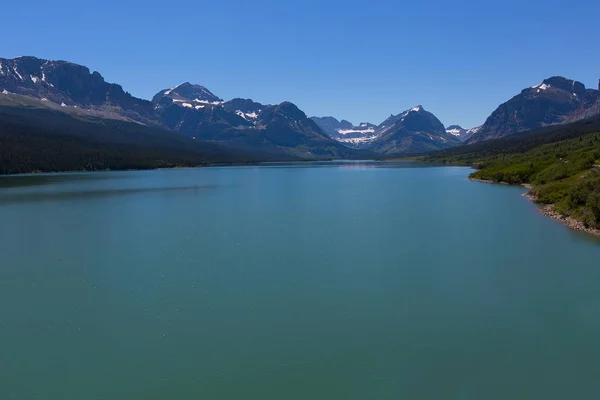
[
  {"x": 413, "y": 131},
  {"x": 331, "y": 125},
  {"x": 343, "y": 131},
  {"x": 245, "y": 108},
  {"x": 72, "y": 88},
  {"x": 186, "y": 92},
  {"x": 281, "y": 129},
  {"x": 556, "y": 100},
  {"x": 461, "y": 133},
  {"x": 40, "y": 139},
  {"x": 275, "y": 131}
]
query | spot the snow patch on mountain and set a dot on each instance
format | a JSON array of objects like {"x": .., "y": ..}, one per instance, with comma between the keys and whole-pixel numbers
[
  {"x": 541, "y": 86},
  {"x": 168, "y": 91},
  {"x": 358, "y": 140},
  {"x": 474, "y": 130},
  {"x": 216, "y": 103},
  {"x": 455, "y": 132},
  {"x": 247, "y": 116},
  {"x": 347, "y": 131},
  {"x": 18, "y": 74}
]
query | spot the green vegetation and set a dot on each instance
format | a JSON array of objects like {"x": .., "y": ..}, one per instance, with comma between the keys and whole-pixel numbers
[
  {"x": 561, "y": 163},
  {"x": 42, "y": 140}
]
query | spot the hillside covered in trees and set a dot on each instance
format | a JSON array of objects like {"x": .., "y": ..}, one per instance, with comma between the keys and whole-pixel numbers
[
  {"x": 561, "y": 163},
  {"x": 43, "y": 140}
]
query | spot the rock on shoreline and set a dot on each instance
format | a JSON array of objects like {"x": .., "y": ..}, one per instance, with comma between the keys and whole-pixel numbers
[{"x": 549, "y": 211}]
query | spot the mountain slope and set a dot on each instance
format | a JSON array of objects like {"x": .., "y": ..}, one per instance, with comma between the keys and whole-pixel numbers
[
  {"x": 556, "y": 100},
  {"x": 413, "y": 131},
  {"x": 343, "y": 131},
  {"x": 473, "y": 154},
  {"x": 461, "y": 133},
  {"x": 72, "y": 87},
  {"x": 282, "y": 129},
  {"x": 186, "y": 92},
  {"x": 331, "y": 125},
  {"x": 192, "y": 110},
  {"x": 560, "y": 163},
  {"x": 46, "y": 140}
]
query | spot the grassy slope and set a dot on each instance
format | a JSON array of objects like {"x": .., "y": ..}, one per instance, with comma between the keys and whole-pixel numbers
[{"x": 561, "y": 163}]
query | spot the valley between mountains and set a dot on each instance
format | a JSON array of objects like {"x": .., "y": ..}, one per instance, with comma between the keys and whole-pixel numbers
[{"x": 57, "y": 115}]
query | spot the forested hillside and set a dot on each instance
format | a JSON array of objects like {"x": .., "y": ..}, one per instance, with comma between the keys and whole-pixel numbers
[
  {"x": 562, "y": 165},
  {"x": 42, "y": 140}
]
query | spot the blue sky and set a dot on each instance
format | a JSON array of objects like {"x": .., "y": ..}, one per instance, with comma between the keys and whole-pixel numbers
[{"x": 358, "y": 60}]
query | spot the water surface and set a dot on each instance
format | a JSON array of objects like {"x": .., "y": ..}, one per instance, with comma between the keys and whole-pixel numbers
[{"x": 330, "y": 280}]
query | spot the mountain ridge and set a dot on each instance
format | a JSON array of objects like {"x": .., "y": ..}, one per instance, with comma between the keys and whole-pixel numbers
[
  {"x": 195, "y": 111},
  {"x": 412, "y": 131},
  {"x": 557, "y": 100},
  {"x": 188, "y": 109}
]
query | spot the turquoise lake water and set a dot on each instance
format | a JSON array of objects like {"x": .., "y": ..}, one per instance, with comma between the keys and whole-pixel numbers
[{"x": 311, "y": 281}]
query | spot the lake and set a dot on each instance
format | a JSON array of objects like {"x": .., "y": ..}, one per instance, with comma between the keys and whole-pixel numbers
[{"x": 349, "y": 280}]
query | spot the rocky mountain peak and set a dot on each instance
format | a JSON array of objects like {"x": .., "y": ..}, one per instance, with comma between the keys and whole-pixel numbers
[
  {"x": 70, "y": 86},
  {"x": 187, "y": 92},
  {"x": 556, "y": 100},
  {"x": 243, "y": 105},
  {"x": 550, "y": 87},
  {"x": 290, "y": 110}
]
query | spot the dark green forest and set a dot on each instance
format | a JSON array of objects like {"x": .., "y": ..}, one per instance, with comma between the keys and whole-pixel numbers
[
  {"x": 561, "y": 163},
  {"x": 42, "y": 140}
]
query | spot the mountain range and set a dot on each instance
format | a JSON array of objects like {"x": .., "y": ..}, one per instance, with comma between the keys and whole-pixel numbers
[
  {"x": 277, "y": 131},
  {"x": 556, "y": 100},
  {"x": 412, "y": 131},
  {"x": 461, "y": 133},
  {"x": 283, "y": 131}
]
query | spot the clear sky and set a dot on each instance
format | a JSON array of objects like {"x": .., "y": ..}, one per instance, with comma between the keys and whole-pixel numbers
[{"x": 358, "y": 60}]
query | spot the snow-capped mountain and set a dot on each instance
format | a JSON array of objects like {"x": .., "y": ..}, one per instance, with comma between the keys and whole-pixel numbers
[
  {"x": 194, "y": 111},
  {"x": 245, "y": 108},
  {"x": 461, "y": 133},
  {"x": 412, "y": 131},
  {"x": 281, "y": 131},
  {"x": 331, "y": 125},
  {"x": 71, "y": 87},
  {"x": 188, "y": 95},
  {"x": 343, "y": 131},
  {"x": 556, "y": 100},
  {"x": 357, "y": 136}
]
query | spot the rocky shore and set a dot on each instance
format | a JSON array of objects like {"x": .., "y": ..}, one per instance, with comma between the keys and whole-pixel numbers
[{"x": 549, "y": 211}]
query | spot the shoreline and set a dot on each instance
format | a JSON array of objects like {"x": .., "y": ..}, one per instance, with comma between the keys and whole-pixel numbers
[
  {"x": 548, "y": 209},
  {"x": 86, "y": 171},
  {"x": 206, "y": 165}
]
